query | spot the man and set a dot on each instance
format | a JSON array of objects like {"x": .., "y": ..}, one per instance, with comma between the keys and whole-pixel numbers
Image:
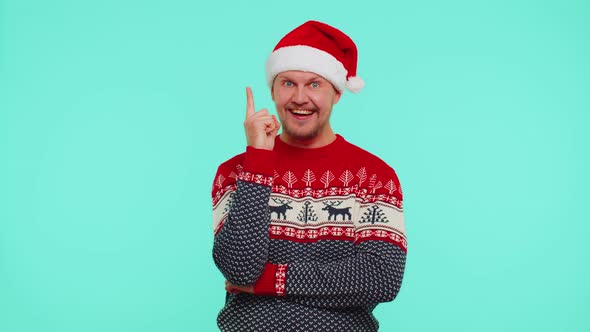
[{"x": 309, "y": 230}]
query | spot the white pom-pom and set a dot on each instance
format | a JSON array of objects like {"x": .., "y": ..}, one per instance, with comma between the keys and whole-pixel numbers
[{"x": 355, "y": 84}]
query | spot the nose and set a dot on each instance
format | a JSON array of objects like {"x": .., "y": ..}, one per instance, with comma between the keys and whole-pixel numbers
[{"x": 299, "y": 96}]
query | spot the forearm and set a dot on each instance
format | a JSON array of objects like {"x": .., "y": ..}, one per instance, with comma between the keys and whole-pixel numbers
[
  {"x": 240, "y": 247},
  {"x": 373, "y": 275}
]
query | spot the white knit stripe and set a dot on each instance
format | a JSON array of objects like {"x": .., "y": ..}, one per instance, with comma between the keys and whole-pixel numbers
[
  {"x": 306, "y": 58},
  {"x": 381, "y": 215},
  {"x": 221, "y": 209}
]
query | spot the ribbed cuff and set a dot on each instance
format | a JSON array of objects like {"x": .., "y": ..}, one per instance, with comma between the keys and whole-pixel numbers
[{"x": 272, "y": 281}]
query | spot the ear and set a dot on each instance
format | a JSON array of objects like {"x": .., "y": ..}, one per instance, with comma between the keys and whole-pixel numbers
[{"x": 337, "y": 97}]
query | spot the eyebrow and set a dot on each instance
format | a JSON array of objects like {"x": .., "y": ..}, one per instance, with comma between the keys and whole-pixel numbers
[{"x": 315, "y": 78}]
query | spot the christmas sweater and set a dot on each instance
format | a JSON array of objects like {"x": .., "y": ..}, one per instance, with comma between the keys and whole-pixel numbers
[{"x": 319, "y": 233}]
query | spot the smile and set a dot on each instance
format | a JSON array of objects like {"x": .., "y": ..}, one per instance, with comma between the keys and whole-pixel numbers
[{"x": 301, "y": 111}]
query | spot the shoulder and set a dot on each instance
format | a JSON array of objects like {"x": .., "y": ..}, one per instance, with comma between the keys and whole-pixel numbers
[
  {"x": 228, "y": 169},
  {"x": 364, "y": 157},
  {"x": 379, "y": 175},
  {"x": 236, "y": 161}
]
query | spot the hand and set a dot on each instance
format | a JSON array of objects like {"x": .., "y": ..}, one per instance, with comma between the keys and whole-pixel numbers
[
  {"x": 261, "y": 127},
  {"x": 231, "y": 288}
]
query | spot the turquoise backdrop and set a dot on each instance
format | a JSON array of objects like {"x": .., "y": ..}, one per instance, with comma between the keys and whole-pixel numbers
[{"x": 115, "y": 114}]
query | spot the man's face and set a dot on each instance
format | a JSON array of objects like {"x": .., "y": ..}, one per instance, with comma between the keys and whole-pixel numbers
[{"x": 304, "y": 102}]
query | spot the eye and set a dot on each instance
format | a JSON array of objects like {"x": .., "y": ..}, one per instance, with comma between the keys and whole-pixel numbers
[
  {"x": 288, "y": 83},
  {"x": 315, "y": 84}
]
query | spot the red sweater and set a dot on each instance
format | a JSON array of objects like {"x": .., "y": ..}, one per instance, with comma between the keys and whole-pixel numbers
[{"x": 321, "y": 227}]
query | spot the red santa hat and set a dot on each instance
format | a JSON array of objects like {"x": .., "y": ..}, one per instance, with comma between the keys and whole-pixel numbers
[{"x": 319, "y": 48}]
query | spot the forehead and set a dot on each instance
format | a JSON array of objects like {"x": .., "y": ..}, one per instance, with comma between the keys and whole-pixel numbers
[{"x": 298, "y": 75}]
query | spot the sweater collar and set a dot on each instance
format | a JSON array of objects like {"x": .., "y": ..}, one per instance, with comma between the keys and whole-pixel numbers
[{"x": 325, "y": 151}]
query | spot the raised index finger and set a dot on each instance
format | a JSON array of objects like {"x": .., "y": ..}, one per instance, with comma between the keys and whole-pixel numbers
[{"x": 249, "y": 102}]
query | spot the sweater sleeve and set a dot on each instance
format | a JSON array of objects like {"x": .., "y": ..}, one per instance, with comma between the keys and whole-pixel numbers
[
  {"x": 372, "y": 275},
  {"x": 242, "y": 217}
]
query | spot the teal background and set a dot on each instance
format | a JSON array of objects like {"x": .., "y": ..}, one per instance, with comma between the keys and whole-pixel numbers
[{"x": 115, "y": 114}]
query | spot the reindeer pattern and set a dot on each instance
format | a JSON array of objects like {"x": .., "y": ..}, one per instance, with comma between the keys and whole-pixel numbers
[
  {"x": 280, "y": 209},
  {"x": 334, "y": 212},
  {"x": 309, "y": 210},
  {"x": 317, "y": 211},
  {"x": 314, "y": 215}
]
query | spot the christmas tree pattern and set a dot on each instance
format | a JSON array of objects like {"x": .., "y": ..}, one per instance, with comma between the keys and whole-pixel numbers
[
  {"x": 373, "y": 214},
  {"x": 346, "y": 177},
  {"x": 327, "y": 178},
  {"x": 307, "y": 213},
  {"x": 219, "y": 181},
  {"x": 390, "y": 186},
  {"x": 362, "y": 175},
  {"x": 308, "y": 177},
  {"x": 290, "y": 178}
]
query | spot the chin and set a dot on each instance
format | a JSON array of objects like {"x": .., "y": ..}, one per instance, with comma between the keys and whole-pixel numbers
[{"x": 302, "y": 135}]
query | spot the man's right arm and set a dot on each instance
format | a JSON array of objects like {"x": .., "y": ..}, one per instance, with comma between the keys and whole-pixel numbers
[
  {"x": 240, "y": 248},
  {"x": 242, "y": 216}
]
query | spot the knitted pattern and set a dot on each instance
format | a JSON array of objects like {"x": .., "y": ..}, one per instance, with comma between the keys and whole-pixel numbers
[{"x": 319, "y": 233}]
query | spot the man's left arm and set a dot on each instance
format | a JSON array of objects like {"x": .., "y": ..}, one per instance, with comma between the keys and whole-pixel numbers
[{"x": 374, "y": 274}]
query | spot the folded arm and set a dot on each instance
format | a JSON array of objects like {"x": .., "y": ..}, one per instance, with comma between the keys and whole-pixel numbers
[{"x": 240, "y": 247}]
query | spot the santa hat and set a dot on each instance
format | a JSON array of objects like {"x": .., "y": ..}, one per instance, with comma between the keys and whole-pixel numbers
[{"x": 319, "y": 48}]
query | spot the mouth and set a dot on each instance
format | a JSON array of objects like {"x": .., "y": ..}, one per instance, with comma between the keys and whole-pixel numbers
[{"x": 301, "y": 114}]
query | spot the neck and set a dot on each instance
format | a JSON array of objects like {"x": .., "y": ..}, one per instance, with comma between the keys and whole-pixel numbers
[{"x": 322, "y": 139}]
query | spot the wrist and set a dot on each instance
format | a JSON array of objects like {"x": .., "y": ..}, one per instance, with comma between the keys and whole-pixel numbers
[{"x": 272, "y": 281}]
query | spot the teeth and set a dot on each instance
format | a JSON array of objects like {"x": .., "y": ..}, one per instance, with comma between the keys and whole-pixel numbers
[{"x": 302, "y": 112}]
